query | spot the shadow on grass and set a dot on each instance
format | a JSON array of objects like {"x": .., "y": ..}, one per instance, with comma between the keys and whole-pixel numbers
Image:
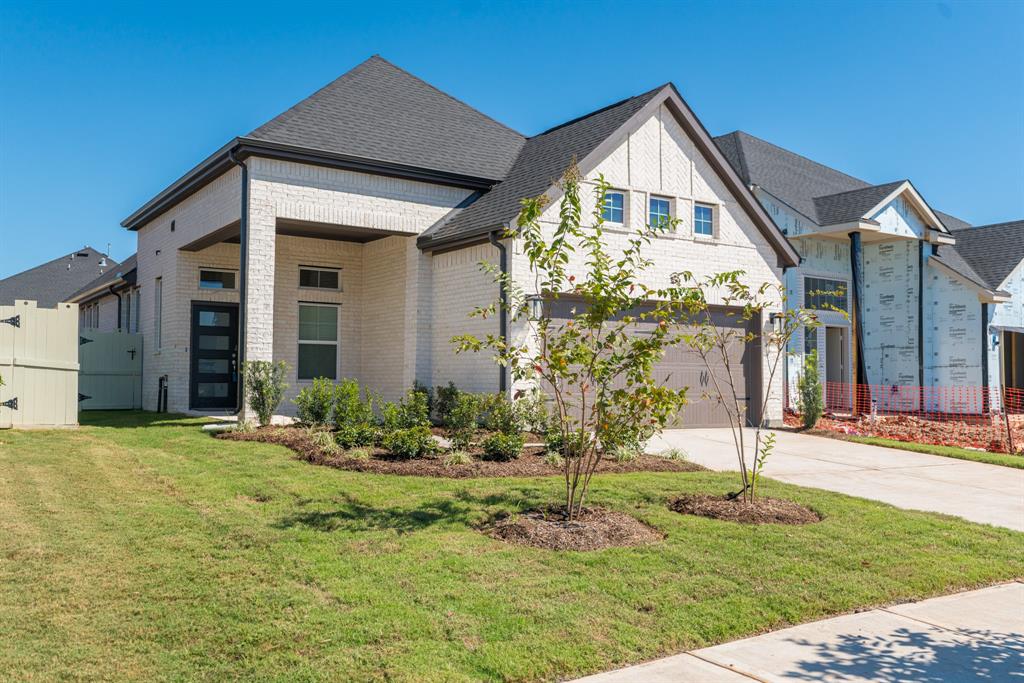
[
  {"x": 136, "y": 418},
  {"x": 464, "y": 509},
  {"x": 931, "y": 656}
]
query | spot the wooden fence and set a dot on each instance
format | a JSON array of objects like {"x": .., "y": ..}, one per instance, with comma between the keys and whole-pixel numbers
[{"x": 39, "y": 365}]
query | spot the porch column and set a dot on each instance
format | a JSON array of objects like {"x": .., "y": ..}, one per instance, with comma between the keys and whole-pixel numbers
[{"x": 258, "y": 267}]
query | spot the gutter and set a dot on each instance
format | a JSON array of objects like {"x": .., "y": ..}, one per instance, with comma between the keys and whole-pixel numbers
[
  {"x": 118, "y": 295},
  {"x": 492, "y": 237},
  {"x": 243, "y": 276}
]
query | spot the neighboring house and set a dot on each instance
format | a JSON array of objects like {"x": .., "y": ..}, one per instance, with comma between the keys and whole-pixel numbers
[
  {"x": 345, "y": 236},
  {"x": 913, "y": 306},
  {"x": 110, "y": 303},
  {"x": 996, "y": 254},
  {"x": 55, "y": 281}
]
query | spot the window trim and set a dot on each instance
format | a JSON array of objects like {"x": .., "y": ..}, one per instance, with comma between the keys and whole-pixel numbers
[
  {"x": 336, "y": 343},
  {"x": 334, "y": 269},
  {"x": 625, "y": 203},
  {"x": 203, "y": 269},
  {"x": 713, "y": 221},
  {"x": 661, "y": 198}
]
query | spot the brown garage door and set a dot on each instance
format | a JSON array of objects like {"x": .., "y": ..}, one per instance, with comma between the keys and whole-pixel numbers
[{"x": 682, "y": 367}]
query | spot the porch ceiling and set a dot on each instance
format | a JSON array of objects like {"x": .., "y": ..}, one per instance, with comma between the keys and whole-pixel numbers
[{"x": 294, "y": 228}]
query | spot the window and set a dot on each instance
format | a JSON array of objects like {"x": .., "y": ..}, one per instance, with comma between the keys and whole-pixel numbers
[
  {"x": 216, "y": 279},
  {"x": 659, "y": 211},
  {"x": 318, "y": 341},
  {"x": 158, "y": 312},
  {"x": 126, "y": 312},
  {"x": 810, "y": 340},
  {"x": 614, "y": 211},
  {"x": 823, "y": 294},
  {"x": 703, "y": 220},
  {"x": 319, "y": 278}
]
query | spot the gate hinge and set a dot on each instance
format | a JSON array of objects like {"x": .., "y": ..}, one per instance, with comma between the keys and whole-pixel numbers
[
  {"x": 12, "y": 404},
  {"x": 83, "y": 397},
  {"x": 83, "y": 341},
  {"x": 13, "y": 321}
]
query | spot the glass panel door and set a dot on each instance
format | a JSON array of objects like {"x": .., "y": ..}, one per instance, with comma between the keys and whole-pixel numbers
[{"x": 214, "y": 357}]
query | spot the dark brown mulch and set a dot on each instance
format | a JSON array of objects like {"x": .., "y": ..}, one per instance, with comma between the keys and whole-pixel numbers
[
  {"x": 529, "y": 464},
  {"x": 594, "y": 529},
  {"x": 761, "y": 511}
]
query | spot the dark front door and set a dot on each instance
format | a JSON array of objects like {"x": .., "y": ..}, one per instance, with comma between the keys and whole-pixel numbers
[{"x": 214, "y": 376}]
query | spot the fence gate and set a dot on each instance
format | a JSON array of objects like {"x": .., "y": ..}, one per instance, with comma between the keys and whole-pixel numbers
[
  {"x": 39, "y": 365},
  {"x": 110, "y": 377}
]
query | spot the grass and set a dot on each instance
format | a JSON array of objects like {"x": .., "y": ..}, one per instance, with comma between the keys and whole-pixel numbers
[
  {"x": 139, "y": 548},
  {"x": 1004, "y": 459}
]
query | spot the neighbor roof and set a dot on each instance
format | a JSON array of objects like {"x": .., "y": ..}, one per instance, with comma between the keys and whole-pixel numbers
[
  {"x": 541, "y": 163},
  {"x": 55, "y": 281},
  {"x": 993, "y": 251},
  {"x": 815, "y": 190},
  {"x": 123, "y": 273}
]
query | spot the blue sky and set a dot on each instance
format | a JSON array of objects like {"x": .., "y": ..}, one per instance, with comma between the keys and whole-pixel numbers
[{"x": 103, "y": 105}]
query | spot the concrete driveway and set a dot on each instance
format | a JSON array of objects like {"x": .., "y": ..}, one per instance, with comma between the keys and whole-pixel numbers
[{"x": 916, "y": 481}]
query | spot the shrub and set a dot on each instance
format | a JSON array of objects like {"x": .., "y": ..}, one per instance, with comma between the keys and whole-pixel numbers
[
  {"x": 502, "y": 446},
  {"x": 533, "y": 411},
  {"x": 350, "y": 408},
  {"x": 568, "y": 447},
  {"x": 502, "y": 416},
  {"x": 809, "y": 387},
  {"x": 677, "y": 454},
  {"x": 552, "y": 459},
  {"x": 462, "y": 420},
  {"x": 428, "y": 395},
  {"x": 623, "y": 454},
  {"x": 359, "y": 454},
  {"x": 457, "y": 457},
  {"x": 415, "y": 409},
  {"x": 445, "y": 401},
  {"x": 350, "y": 436},
  {"x": 324, "y": 441},
  {"x": 316, "y": 402},
  {"x": 264, "y": 387},
  {"x": 414, "y": 442}
]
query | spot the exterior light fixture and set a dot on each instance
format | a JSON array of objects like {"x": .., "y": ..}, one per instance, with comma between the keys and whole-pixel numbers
[
  {"x": 535, "y": 307},
  {"x": 778, "y": 321}
]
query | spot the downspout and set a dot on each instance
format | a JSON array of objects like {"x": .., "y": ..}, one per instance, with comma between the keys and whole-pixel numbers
[
  {"x": 243, "y": 273},
  {"x": 503, "y": 298},
  {"x": 984, "y": 359},
  {"x": 920, "y": 323},
  {"x": 858, "y": 298},
  {"x": 118, "y": 307}
]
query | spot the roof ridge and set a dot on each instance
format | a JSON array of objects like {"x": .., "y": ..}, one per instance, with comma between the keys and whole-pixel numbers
[
  {"x": 805, "y": 158},
  {"x": 599, "y": 111},
  {"x": 60, "y": 258},
  {"x": 990, "y": 225},
  {"x": 861, "y": 189}
]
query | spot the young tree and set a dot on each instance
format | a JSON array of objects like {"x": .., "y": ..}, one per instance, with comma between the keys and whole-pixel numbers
[
  {"x": 809, "y": 389},
  {"x": 264, "y": 385},
  {"x": 715, "y": 344},
  {"x": 597, "y": 372}
]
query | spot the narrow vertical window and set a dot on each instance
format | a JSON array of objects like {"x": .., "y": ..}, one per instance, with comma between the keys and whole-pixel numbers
[
  {"x": 318, "y": 341},
  {"x": 158, "y": 312}
]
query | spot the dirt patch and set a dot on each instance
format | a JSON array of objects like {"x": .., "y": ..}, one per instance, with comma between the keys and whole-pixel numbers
[
  {"x": 530, "y": 464},
  {"x": 594, "y": 529},
  {"x": 761, "y": 511}
]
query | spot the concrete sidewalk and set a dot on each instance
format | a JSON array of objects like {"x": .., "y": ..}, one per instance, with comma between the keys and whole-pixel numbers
[
  {"x": 990, "y": 494},
  {"x": 973, "y": 636}
]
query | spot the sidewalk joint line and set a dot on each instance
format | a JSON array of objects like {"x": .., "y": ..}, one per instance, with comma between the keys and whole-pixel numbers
[{"x": 727, "y": 668}]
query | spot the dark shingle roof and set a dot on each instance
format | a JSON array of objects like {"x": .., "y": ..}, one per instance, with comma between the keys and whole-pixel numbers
[
  {"x": 380, "y": 112},
  {"x": 109, "y": 276},
  {"x": 843, "y": 207},
  {"x": 805, "y": 185},
  {"x": 949, "y": 257},
  {"x": 993, "y": 251},
  {"x": 54, "y": 281},
  {"x": 539, "y": 165}
]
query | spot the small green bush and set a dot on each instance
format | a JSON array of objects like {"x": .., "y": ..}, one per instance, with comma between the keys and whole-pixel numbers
[
  {"x": 324, "y": 441},
  {"x": 808, "y": 386},
  {"x": 316, "y": 402},
  {"x": 415, "y": 409},
  {"x": 552, "y": 459},
  {"x": 624, "y": 454},
  {"x": 445, "y": 400},
  {"x": 501, "y": 416},
  {"x": 428, "y": 395},
  {"x": 390, "y": 416},
  {"x": 571, "y": 447},
  {"x": 501, "y": 446},
  {"x": 413, "y": 442},
  {"x": 264, "y": 386},
  {"x": 457, "y": 457},
  {"x": 351, "y": 436},
  {"x": 462, "y": 420},
  {"x": 350, "y": 407},
  {"x": 533, "y": 411},
  {"x": 359, "y": 453}
]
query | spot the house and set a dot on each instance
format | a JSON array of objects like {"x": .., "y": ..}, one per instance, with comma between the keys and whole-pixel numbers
[
  {"x": 344, "y": 237},
  {"x": 996, "y": 254},
  {"x": 902, "y": 309},
  {"x": 110, "y": 302},
  {"x": 56, "y": 281}
]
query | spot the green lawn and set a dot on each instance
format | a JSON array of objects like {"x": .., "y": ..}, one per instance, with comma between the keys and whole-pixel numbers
[
  {"x": 140, "y": 548},
  {"x": 1003, "y": 459}
]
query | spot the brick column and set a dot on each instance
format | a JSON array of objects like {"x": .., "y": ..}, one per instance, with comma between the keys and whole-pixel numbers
[{"x": 259, "y": 287}]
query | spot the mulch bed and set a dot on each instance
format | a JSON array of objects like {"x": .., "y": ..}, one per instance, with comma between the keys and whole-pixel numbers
[
  {"x": 529, "y": 464},
  {"x": 986, "y": 434},
  {"x": 761, "y": 511},
  {"x": 594, "y": 529}
]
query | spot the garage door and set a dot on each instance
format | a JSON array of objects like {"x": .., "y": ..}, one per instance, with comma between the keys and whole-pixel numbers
[{"x": 683, "y": 367}]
